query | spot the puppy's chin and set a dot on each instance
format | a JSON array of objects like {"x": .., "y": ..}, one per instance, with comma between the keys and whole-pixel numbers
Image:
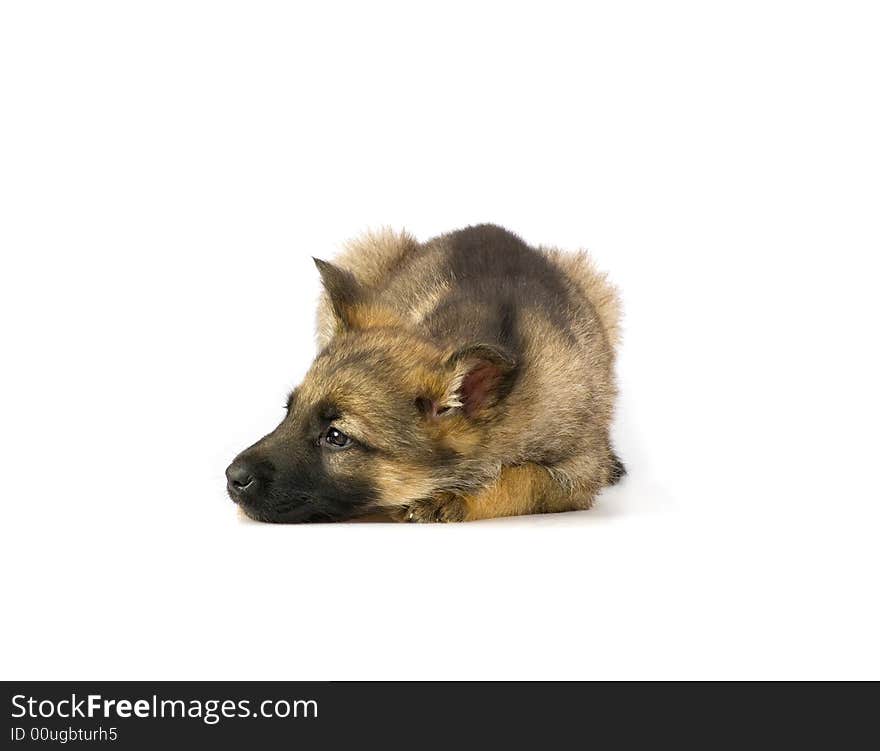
[{"x": 303, "y": 514}]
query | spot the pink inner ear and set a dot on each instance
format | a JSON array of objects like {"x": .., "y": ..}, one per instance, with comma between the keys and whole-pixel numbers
[{"x": 477, "y": 386}]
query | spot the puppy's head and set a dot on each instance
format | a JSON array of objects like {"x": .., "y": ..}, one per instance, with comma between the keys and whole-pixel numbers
[{"x": 383, "y": 417}]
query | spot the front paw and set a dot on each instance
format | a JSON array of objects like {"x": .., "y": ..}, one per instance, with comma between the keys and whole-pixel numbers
[{"x": 446, "y": 509}]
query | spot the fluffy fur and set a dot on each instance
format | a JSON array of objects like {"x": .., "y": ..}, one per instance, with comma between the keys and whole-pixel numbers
[{"x": 472, "y": 376}]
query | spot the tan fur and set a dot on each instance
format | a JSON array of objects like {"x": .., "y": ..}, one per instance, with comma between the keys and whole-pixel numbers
[
  {"x": 369, "y": 257},
  {"x": 579, "y": 267},
  {"x": 449, "y": 441},
  {"x": 517, "y": 473},
  {"x": 374, "y": 254}
]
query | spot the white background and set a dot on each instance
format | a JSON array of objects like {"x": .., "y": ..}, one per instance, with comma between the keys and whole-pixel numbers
[{"x": 167, "y": 171}]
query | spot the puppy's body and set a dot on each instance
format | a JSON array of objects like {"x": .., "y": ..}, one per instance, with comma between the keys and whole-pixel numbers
[{"x": 472, "y": 374}]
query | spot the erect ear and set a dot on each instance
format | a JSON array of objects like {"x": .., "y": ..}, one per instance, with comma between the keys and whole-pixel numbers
[
  {"x": 481, "y": 376},
  {"x": 343, "y": 290}
]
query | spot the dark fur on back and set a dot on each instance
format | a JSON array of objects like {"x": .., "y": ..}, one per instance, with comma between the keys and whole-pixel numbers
[{"x": 473, "y": 375}]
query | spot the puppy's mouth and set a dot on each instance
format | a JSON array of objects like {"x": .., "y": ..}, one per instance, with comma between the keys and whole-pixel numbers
[{"x": 295, "y": 512}]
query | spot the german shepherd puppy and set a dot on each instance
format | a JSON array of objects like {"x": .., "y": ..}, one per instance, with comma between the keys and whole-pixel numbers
[{"x": 464, "y": 378}]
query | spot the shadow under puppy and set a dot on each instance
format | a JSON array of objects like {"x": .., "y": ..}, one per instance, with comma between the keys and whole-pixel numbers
[{"x": 464, "y": 378}]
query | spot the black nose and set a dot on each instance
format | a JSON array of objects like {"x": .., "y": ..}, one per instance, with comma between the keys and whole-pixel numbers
[{"x": 241, "y": 479}]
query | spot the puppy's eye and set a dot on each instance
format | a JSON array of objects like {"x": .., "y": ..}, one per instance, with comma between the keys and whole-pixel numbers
[{"x": 336, "y": 439}]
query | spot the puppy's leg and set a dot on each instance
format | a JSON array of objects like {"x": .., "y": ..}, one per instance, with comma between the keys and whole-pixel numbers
[
  {"x": 442, "y": 508},
  {"x": 524, "y": 489},
  {"x": 527, "y": 489},
  {"x": 521, "y": 489},
  {"x": 535, "y": 489},
  {"x": 617, "y": 470}
]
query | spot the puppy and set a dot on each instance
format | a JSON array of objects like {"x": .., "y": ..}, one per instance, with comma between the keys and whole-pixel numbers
[{"x": 467, "y": 377}]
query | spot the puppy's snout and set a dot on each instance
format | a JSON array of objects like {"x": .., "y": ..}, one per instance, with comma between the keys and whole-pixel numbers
[{"x": 241, "y": 479}]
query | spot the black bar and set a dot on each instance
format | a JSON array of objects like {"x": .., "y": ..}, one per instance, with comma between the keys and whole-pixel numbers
[{"x": 414, "y": 714}]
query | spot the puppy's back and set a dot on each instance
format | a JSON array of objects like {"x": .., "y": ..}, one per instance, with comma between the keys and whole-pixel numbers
[
  {"x": 466, "y": 282},
  {"x": 595, "y": 287}
]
